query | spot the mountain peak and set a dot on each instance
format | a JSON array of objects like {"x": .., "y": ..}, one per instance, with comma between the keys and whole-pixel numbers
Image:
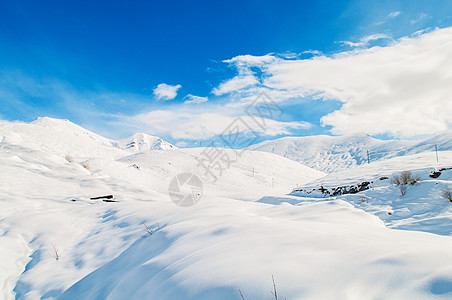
[
  {"x": 140, "y": 142},
  {"x": 50, "y": 121},
  {"x": 67, "y": 127}
]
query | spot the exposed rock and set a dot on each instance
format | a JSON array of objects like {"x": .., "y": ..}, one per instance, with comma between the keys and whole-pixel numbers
[
  {"x": 435, "y": 174},
  {"x": 107, "y": 197}
]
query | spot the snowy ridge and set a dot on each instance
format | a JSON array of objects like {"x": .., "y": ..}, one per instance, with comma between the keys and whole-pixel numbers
[
  {"x": 67, "y": 127},
  {"x": 334, "y": 153},
  {"x": 66, "y": 138}
]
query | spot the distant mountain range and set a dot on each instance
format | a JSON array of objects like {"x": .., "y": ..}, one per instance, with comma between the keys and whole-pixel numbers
[
  {"x": 335, "y": 153},
  {"x": 66, "y": 138},
  {"x": 324, "y": 153}
]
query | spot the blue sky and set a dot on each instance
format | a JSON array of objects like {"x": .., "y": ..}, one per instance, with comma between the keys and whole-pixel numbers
[{"x": 98, "y": 63}]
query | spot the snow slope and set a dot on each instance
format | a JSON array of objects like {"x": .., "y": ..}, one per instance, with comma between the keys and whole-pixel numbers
[
  {"x": 60, "y": 137},
  {"x": 422, "y": 208},
  {"x": 233, "y": 240},
  {"x": 335, "y": 153},
  {"x": 63, "y": 137}
]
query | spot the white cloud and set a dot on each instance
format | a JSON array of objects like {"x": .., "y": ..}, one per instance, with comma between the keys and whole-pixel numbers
[
  {"x": 245, "y": 78},
  {"x": 166, "y": 92},
  {"x": 403, "y": 89},
  {"x": 393, "y": 14},
  {"x": 250, "y": 60},
  {"x": 419, "y": 18},
  {"x": 192, "y": 124},
  {"x": 367, "y": 39},
  {"x": 181, "y": 144},
  {"x": 192, "y": 99},
  {"x": 313, "y": 52},
  {"x": 235, "y": 84}
]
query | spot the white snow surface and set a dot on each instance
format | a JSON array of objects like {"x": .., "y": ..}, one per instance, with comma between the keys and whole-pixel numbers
[
  {"x": 336, "y": 153},
  {"x": 422, "y": 208},
  {"x": 244, "y": 229}
]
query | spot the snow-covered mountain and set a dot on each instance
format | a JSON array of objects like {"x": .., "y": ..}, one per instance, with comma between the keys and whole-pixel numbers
[
  {"x": 66, "y": 138},
  {"x": 141, "y": 142},
  {"x": 57, "y": 241},
  {"x": 335, "y": 153}
]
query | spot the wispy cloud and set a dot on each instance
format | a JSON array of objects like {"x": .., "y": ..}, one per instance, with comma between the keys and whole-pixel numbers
[
  {"x": 192, "y": 99},
  {"x": 165, "y": 91},
  {"x": 246, "y": 77},
  {"x": 235, "y": 84},
  {"x": 202, "y": 124},
  {"x": 390, "y": 16},
  {"x": 421, "y": 17},
  {"x": 30, "y": 96},
  {"x": 176, "y": 120},
  {"x": 313, "y": 52},
  {"x": 365, "y": 41},
  {"x": 181, "y": 144},
  {"x": 393, "y": 14},
  {"x": 403, "y": 89}
]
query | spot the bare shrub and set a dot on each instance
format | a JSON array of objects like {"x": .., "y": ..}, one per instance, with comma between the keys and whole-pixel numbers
[
  {"x": 403, "y": 180},
  {"x": 447, "y": 194},
  {"x": 395, "y": 180},
  {"x": 402, "y": 189},
  {"x": 363, "y": 199},
  {"x": 55, "y": 253},
  {"x": 241, "y": 295},
  {"x": 416, "y": 179},
  {"x": 69, "y": 158},
  {"x": 85, "y": 165},
  {"x": 405, "y": 177},
  {"x": 149, "y": 230},
  {"x": 274, "y": 293}
]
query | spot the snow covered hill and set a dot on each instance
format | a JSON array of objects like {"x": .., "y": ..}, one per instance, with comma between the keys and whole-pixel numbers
[
  {"x": 56, "y": 242},
  {"x": 334, "y": 153},
  {"x": 66, "y": 138},
  {"x": 60, "y": 137},
  {"x": 421, "y": 208}
]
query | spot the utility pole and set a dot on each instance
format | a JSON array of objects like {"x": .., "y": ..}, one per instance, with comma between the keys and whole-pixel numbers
[
  {"x": 368, "y": 159},
  {"x": 436, "y": 150}
]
